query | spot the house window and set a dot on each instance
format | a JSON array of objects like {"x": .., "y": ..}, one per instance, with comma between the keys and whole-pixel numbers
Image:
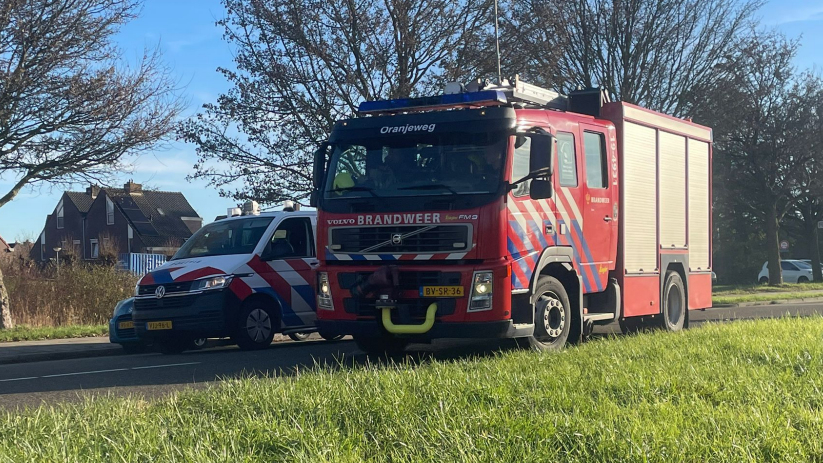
[
  {"x": 109, "y": 212},
  {"x": 95, "y": 249},
  {"x": 60, "y": 215},
  {"x": 43, "y": 245}
]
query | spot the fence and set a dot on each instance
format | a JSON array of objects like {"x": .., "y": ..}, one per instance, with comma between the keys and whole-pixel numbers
[{"x": 140, "y": 264}]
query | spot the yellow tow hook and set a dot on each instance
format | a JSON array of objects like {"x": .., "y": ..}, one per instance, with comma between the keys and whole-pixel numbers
[{"x": 409, "y": 329}]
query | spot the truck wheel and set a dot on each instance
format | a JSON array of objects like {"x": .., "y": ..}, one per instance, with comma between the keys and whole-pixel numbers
[
  {"x": 674, "y": 302},
  {"x": 174, "y": 346},
  {"x": 384, "y": 346},
  {"x": 256, "y": 326},
  {"x": 552, "y": 315},
  {"x": 299, "y": 336}
]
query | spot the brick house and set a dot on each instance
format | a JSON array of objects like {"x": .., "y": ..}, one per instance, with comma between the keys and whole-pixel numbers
[{"x": 115, "y": 221}]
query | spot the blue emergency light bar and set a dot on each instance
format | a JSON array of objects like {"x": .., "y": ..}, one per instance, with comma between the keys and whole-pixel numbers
[{"x": 481, "y": 98}]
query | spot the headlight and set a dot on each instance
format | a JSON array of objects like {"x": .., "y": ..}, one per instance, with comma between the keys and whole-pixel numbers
[
  {"x": 324, "y": 292},
  {"x": 211, "y": 283},
  {"x": 482, "y": 289}
]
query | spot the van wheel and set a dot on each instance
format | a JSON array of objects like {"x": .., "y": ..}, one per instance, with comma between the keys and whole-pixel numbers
[
  {"x": 764, "y": 281},
  {"x": 299, "y": 336},
  {"x": 674, "y": 302},
  {"x": 256, "y": 326},
  {"x": 198, "y": 343},
  {"x": 552, "y": 316},
  {"x": 384, "y": 346},
  {"x": 802, "y": 280}
]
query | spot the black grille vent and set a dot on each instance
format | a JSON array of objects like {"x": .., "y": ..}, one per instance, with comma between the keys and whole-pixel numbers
[
  {"x": 152, "y": 303},
  {"x": 436, "y": 238},
  {"x": 409, "y": 281},
  {"x": 407, "y": 309},
  {"x": 170, "y": 288}
]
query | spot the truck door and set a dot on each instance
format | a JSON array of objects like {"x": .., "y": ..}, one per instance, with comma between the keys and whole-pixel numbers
[
  {"x": 598, "y": 206},
  {"x": 291, "y": 258}
]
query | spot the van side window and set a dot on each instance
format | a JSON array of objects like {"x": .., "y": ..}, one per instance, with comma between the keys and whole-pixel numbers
[
  {"x": 293, "y": 239},
  {"x": 595, "y": 148},
  {"x": 566, "y": 159}
]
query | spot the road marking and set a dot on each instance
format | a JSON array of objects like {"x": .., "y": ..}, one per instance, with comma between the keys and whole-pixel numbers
[
  {"x": 84, "y": 373},
  {"x": 17, "y": 379},
  {"x": 165, "y": 366},
  {"x": 100, "y": 371}
]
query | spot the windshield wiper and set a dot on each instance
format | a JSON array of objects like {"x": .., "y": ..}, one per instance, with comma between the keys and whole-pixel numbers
[
  {"x": 434, "y": 186},
  {"x": 357, "y": 188}
]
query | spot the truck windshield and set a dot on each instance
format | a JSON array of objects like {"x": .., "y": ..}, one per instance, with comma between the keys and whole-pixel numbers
[
  {"x": 225, "y": 237},
  {"x": 414, "y": 165}
]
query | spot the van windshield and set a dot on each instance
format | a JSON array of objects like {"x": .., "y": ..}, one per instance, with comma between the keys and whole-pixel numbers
[{"x": 225, "y": 237}]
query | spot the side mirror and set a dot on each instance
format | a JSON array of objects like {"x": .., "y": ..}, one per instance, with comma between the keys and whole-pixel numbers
[
  {"x": 540, "y": 189},
  {"x": 313, "y": 198},
  {"x": 540, "y": 156},
  {"x": 319, "y": 165}
]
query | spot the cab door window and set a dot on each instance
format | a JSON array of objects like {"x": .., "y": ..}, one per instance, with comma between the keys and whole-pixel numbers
[
  {"x": 293, "y": 239},
  {"x": 566, "y": 159},
  {"x": 596, "y": 170}
]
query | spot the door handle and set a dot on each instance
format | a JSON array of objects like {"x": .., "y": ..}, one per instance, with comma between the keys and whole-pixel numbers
[{"x": 607, "y": 219}]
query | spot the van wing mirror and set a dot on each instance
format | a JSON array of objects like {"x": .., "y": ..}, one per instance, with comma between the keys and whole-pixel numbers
[{"x": 540, "y": 157}]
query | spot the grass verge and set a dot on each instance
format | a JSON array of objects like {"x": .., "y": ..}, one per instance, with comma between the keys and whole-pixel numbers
[
  {"x": 746, "y": 391},
  {"x": 763, "y": 293},
  {"x": 28, "y": 333}
]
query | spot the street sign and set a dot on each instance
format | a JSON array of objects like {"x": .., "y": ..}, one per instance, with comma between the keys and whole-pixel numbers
[{"x": 784, "y": 245}]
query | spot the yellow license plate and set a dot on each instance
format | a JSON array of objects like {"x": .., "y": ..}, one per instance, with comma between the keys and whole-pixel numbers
[
  {"x": 441, "y": 291},
  {"x": 125, "y": 325},
  {"x": 158, "y": 325}
]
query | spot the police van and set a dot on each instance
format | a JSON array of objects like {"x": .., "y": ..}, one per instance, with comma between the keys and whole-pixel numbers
[{"x": 245, "y": 277}]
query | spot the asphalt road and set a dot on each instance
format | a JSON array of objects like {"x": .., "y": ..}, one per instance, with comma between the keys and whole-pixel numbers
[{"x": 154, "y": 375}]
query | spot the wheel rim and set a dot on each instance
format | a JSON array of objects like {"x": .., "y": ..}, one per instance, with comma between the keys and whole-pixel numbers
[
  {"x": 551, "y": 316},
  {"x": 674, "y": 305},
  {"x": 199, "y": 342},
  {"x": 258, "y": 325}
]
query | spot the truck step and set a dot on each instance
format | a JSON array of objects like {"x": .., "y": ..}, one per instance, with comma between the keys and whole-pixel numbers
[
  {"x": 598, "y": 317},
  {"x": 522, "y": 330}
]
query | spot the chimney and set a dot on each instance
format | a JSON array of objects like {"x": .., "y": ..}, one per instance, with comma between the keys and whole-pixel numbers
[
  {"x": 132, "y": 187},
  {"x": 93, "y": 191}
]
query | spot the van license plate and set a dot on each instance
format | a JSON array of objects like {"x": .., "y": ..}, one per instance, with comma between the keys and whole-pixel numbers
[
  {"x": 166, "y": 325},
  {"x": 441, "y": 291},
  {"x": 125, "y": 325}
]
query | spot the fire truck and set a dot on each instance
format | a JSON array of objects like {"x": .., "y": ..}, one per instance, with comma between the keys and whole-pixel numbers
[{"x": 510, "y": 211}]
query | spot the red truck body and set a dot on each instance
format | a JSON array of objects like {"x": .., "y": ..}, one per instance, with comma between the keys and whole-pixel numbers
[{"x": 628, "y": 214}]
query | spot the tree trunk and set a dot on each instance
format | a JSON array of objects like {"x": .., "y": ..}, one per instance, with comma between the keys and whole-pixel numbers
[
  {"x": 5, "y": 306},
  {"x": 817, "y": 272},
  {"x": 773, "y": 245}
]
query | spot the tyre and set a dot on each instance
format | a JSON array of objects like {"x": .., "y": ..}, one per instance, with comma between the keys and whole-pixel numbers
[
  {"x": 336, "y": 337},
  {"x": 256, "y": 326},
  {"x": 384, "y": 346},
  {"x": 802, "y": 280},
  {"x": 764, "y": 280},
  {"x": 675, "y": 310},
  {"x": 552, "y": 316},
  {"x": 198, "y": 343},
  {"x": 173, "y": 346},
  {"x": 299, "y": 336}
]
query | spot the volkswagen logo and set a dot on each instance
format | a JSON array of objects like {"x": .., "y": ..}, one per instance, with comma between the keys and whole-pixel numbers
[
  {"x": 397, "y": 238},
  {"x": 160, "y": 292}
]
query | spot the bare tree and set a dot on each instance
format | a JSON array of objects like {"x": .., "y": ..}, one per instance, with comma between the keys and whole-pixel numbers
[
  {"x": 648, "y": 52},
  {"x": 760, "y": 109},
  {"x": 71, "y": 107},
  {"x": 301, "y": 65}
]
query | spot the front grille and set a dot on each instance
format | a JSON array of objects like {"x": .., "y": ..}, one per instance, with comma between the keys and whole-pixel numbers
[
  {"x": 184, "y": 286},
  {"x": 127, "y": 333},
  {"x": 378, "y": 240},
  {"x": 409, "y": 280},
  {"x": 406, "y": 309},
  {"x": 152, "y": 303}
]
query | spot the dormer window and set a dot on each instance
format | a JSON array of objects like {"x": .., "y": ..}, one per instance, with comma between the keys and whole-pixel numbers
[
  {"x": 60, "y": 221},
  {"x": 109, "y": 211}
]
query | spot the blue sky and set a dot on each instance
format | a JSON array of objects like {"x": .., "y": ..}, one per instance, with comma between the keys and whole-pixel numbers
[{"x": 192, "y": 45}]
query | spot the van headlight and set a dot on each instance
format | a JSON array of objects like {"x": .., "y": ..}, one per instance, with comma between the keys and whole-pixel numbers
[
  {"x": 211, "y": 283},
  {"x": 324, "y": 292},
  {"x": 482, "y": 289}
]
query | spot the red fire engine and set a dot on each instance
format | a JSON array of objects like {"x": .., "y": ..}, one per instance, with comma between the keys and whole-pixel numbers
[{"x": 510, "y": 211}]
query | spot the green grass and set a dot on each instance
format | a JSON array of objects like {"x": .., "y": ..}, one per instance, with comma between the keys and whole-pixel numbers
[
  {"x": 763, "y": 297},
  {"x": 739, "y": 392},
  {"x": 727, "y": 294},
  {"x": 27, "y": 333},
  {"x": 749, "y": 289}
]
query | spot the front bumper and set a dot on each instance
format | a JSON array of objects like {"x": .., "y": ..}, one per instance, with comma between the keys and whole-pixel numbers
[
  {"x": 374, "y": 328},
  {"x": 207, "y": 314}
]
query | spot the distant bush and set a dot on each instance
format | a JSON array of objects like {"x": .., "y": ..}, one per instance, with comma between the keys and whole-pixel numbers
[{"x": 79, "y": 294}]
